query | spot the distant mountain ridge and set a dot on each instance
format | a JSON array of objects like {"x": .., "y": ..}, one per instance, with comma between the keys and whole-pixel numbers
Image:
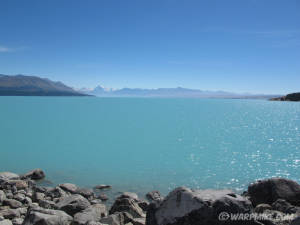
[
  {"x": 178, "y": 92},
  {"x": 21, "y": 85}
]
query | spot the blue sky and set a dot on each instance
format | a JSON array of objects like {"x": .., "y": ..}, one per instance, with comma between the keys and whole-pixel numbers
[{"x": 233, "y": 45}]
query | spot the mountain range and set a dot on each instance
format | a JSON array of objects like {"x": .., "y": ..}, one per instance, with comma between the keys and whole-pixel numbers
[
  {"x": 167, "y": 92},
  {"x": 20, "y": 85}
]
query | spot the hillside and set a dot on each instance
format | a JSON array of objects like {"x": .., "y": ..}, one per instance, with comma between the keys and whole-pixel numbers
[
  {"x": 295, "y": 97},
  {"x": 20, "y": 85}
]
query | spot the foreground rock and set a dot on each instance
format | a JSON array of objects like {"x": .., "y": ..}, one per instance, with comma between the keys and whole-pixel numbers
[
  {"x": 269, "y": 190},
  {"x": 23, "y": 202},
  {"x": 73, "y": 204},
  {"x": 40, "y": 216},
  {"x": 91, "y": 214},
  {"x": 128, "y": 202},
  {"x": 198, "y": 207}
]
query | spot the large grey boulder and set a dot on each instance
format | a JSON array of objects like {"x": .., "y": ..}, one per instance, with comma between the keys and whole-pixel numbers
[
  {"x": 184, "y": 206},
  {"x": 40, "y": 216},
  {"x": 269, "y": 190},
  {"x": 8, "y": 176},
  {"x": 73, "y": 204},
  {"x": 36, "y": 174},
  {"x": 92, "y": 213}
]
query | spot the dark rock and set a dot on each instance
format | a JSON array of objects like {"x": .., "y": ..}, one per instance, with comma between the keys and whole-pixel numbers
[
  {"x": 127, "y": 217},
  {"x": 269, "y": 190},
  {"x": 85, "y": 192},
  {"x": 12, "y": 203},
  {"x": 40, "y": 216},
  {"x": 262, "y": 207},
  {"x": 92, "y": 213},
  {"x": 284, "y": 206},
  {"x": 154, "y": 196},
  {"x": 47, "y": 204},
  {"x": 125, "y": 203},
  {"x": 36, "y": 174},
  {"x": 41, "y": 189},
  {"x": 197, "y": 207},
  {"x": 103, "y": 197},
  {"x": 37, "y": 196},
  {"x": 20, "y": 197},
  {"x": 295, "y": 221},
  {"x": 56, "y": 192},
  {"x": 102, "y": 186},
  {"x": 96, "y": 201},
  {"x": 143, "y": 205},
  {"x": 27, "y": 200},
  {"x": 72, "y": 188},
  {"x": 73, "y": 204}
]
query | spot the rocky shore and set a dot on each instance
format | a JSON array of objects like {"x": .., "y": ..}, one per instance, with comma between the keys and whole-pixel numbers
[{"x": 274, "y": 201}]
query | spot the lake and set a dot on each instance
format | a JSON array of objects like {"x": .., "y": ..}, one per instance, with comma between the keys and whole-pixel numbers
[{"x": 143, "y": 144}]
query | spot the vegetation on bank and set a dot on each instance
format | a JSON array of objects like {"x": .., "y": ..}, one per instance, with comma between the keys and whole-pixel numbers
[{"x": 295, "y": 97}]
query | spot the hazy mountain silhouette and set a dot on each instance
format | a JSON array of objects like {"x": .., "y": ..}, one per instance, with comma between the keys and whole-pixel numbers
[{"x": 20, "y": 85}]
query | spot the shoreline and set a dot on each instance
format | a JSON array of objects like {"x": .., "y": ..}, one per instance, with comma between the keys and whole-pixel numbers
[{"x": 24, "y": 202}]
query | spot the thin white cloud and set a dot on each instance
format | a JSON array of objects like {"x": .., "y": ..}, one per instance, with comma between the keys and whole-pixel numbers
[{"x": 5, "y": 49}]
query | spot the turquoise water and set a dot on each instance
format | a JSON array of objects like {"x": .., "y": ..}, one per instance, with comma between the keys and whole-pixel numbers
[{"x": 138, "y": 144}]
